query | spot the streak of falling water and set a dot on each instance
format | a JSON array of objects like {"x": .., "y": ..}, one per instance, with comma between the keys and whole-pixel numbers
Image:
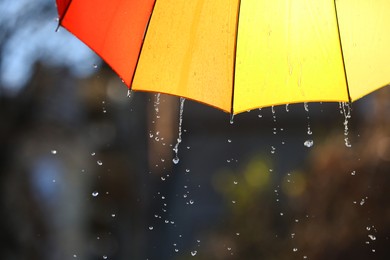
[
  {"x": 231, "y": 119},
  {"x": 176, "y": 148},
  {"x": 273, "y": 113},
  {"x": 308, "y": 143},
  {"x": 287, "y": 109},
  {"x": 346, "y": 111}
]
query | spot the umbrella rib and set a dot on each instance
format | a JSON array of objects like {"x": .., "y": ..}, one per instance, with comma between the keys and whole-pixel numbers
[
  {"x": 234, "y": 58},
  {"x": 342, "y": 52},
  {"x": 142, "y": 45},
  {"x": 63, "y": 16}
]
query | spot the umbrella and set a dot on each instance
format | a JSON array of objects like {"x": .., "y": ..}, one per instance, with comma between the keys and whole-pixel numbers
[{"x": 240, "y": 55}]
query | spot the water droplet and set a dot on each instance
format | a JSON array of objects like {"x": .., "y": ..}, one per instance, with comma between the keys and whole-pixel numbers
[
  {"x": 193, "y": 253},
  {"x": 95, "y": 66},
  {"x": 176, "y": 250},
  {"x": 309, "y": 132},
  {"x": 235, "y": 182},
  {"x": 232, "y": 119},
  {"x": 74, "y": 256},
  {"x": 295, "y": 249},
  {"x": 150, "y": 228},
  {"x": 306, "y": 106},
  {"x": 191, "y": 202},
  {"x": 287, "y": 110},
  {"x": 95, "y": 194},
  {"x": 113, "y": 215},
  {"x": 362, "y": 202},
  {"x": 353, "y": 173},
  {"x": 99, "y": 162},
  {"x": 308, "y": 143},
  {"x": 129, "y": 93},
  {"x": 372, "y": 237},
  {"x": 229, "y": 140},
  {"x": 53, "y": 151},
  {"x": 187, "y": 170},
  {"x": 176, "y": 160},
  {"x": 105, "y": 257}
]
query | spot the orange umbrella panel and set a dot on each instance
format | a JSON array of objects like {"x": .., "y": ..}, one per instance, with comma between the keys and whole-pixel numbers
[{"x": 113, "y": 29}]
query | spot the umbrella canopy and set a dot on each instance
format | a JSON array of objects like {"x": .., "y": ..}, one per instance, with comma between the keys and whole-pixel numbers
[{"x": 240, "y": 55}]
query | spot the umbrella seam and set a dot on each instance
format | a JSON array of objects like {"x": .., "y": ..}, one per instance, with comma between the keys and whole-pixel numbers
[
  {"x": 142, "y": 45},
  {"x": 63, "y": 16},
  {"x": 342, "y": 52},
  {"x": 235, "y": 58}
]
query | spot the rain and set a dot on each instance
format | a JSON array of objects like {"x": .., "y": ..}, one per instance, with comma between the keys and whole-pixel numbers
[{"x": 93, "y": 170}]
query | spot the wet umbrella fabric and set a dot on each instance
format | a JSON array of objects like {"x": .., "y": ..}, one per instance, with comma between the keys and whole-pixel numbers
[{"x": 239, "y": 55}]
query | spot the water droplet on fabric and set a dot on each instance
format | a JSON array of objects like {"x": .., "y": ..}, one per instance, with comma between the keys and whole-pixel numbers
[{"x": 308, "y": 143}]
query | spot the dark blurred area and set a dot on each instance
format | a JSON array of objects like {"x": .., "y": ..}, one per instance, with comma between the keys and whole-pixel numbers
[{"x": 86, "y": 171}]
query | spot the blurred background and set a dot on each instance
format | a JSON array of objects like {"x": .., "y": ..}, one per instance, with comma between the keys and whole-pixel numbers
[{"x": 86, "y": 171}]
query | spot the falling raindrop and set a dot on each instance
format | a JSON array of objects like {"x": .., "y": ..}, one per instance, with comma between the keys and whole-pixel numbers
[
  {"x": 372, "y": 237},
  {"x": 99, "y": 162},
  {"x": 353, "y": 173},
  {"x": 309, "y": 132},
  {"x": 193, "y": 253},
  {"x": 231, "y": 119},
  {"x": 295, "y": 249},
  {"x": 273, "y": 113},
  {"x": 105, "y": 257},
  {"x": 95, "y": 194},
  {"x": 308, "y": 143},
  {"x": 176, "y": 148},
  {"x": 260, "y": 115},
  {"x": 53, "y": 151},
  {"x": 150, "y": 228},
  {"x": 287, "y": 109},
  {"x": 306, "y": 106}
]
